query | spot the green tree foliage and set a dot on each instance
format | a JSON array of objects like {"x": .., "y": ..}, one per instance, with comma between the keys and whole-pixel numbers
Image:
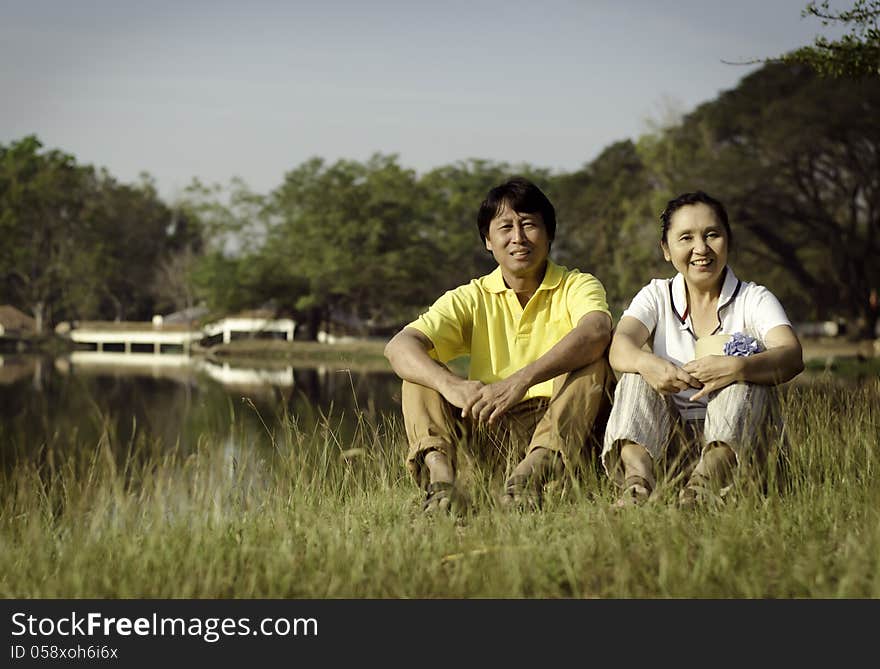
[
  {"x": 856, "y": 54},
  {"x": 606, "y": 226},
  {"x": 41, "y": 199},
  {"x": 77, "y": 244},
  {"x": 349, "y": 236},
  {"x": 237, "y": 271},
  {"x": 796, "y": 158},
  {"x": 138, "y": 237},
  {"x": 450, "y": 200}
]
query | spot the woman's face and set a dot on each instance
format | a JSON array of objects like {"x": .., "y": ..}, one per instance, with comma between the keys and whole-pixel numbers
[{"x": 696, "y": 245}]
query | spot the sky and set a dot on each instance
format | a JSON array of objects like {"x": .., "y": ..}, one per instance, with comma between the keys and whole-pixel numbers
[{"x": 218, "y": 89}]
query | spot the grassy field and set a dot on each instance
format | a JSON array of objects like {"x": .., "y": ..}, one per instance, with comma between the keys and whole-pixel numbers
[
  {"x": 367, "y": 351},
  {"x": 359, "y": 354},
  {"x": 311, "y": 517}
]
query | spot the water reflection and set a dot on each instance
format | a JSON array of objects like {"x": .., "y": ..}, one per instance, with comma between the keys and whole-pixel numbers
[
  {"x": 147, "y": 403},
  {"x": 173, "y": 401}
]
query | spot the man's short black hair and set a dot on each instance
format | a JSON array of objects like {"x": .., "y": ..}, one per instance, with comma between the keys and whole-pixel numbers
[{"x": 523, "y": 197}]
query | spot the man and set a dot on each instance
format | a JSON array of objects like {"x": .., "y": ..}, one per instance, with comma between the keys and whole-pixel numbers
[{"x": 539, "y": 379}]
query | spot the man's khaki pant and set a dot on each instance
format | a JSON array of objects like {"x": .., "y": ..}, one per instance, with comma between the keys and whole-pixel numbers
[{"x": 570, "y": 422}]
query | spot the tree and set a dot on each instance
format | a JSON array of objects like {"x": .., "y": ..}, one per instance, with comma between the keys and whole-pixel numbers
[
  {"x": 174, "y": 287},
  {"x": 236, "y": 269},
  {"x": 796, "y": 159},
  {"x": 451, "y": 197},
  {"x": 856, "y": 54},
  {"x": 42, "y": 194},
  {"x": 606, "y": 225},
  {"x": 137, "y": 235},
  {"x": 77, "y": 244},
  {"x": 349, "y": 233}
]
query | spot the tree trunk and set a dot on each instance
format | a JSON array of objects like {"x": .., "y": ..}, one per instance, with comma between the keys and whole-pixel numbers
[
  {"x": 39, "y": 311},
  {"x": 37, "y": 379},
  {"x": 866, "y": 324},
  {"x": 315, "y": 318}
]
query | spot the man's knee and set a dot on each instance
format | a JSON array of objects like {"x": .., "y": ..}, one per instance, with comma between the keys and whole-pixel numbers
[
  {"x": 413, "y": 393},
  {"x": 595, "y": 382},
  {"x": 423, "y": 405},
  {"x": 599, "y": 371}
]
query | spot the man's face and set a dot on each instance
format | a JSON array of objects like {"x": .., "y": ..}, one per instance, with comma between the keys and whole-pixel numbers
[{"x": 519, "y": 242}]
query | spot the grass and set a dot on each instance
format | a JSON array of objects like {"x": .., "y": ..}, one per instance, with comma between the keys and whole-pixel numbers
[
  {"x": 298, "y": 512},
  {"x": 356, "y": 354}
]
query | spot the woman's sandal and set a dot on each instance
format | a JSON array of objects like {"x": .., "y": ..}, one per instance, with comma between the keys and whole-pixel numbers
[
  {"x": 636, "y": 491},
  {"x": 521, "y": 492},
  {"x": 435, "y": 494},
  {"x": 697, "y": 490}
]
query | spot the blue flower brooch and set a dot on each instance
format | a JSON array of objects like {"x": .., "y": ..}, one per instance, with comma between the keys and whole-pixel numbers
[{"x": 741, "y": 344}]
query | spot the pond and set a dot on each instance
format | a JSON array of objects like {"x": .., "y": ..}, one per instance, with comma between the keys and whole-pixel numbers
[
  {"x": 71, "y": 402},
  {"x": 65, "y": 402}
]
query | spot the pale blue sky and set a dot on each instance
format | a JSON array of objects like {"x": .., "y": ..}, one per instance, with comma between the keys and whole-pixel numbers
[{"x": 217, "y": 89}]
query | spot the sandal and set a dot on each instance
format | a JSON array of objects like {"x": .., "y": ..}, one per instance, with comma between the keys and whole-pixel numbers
[
  {"x": 697, "y": 491},
  {"x": 709, "y": 484},
  {"x": 521, "y": 492},
  {"x": 636, "y": 491},
  {"x": 435, "y": 494}
]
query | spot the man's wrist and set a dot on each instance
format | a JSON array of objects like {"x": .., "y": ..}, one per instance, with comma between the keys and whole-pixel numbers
[
  {"x": 447, "y": 382},
  {"x": 523, "y": 378}
]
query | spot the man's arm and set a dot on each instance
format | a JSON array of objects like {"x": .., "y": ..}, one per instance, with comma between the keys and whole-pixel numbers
[
  {"x": 585, "y": 344},
  {"x": 408, "y": 354}
]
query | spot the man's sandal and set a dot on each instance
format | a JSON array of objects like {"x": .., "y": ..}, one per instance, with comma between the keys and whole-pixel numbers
[
  {"x": 521, "y": 492},
  {"x": 636, "y": 491},
  {"x": 436, "y": 493}
]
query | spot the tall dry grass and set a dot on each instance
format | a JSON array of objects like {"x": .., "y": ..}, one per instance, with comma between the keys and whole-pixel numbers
[{"x": 295, "y": 511}]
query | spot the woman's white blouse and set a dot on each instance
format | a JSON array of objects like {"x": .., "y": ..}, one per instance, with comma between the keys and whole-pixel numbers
[{"x": 662, "y": 307}]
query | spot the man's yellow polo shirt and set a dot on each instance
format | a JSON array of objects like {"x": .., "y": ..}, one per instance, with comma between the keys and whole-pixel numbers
[{"x": 485, "y": 320}]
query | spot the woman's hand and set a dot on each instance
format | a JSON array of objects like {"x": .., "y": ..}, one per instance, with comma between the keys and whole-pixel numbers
[
  {"x": 715, "y": 372},
  {"x": 666, "y": 378}
]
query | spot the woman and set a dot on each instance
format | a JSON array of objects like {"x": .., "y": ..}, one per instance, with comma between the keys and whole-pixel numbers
[{"x": 721, "y": 402}]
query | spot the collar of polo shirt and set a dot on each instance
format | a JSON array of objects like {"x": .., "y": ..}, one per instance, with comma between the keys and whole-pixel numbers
[
  {"x": 678, "y": 291},
  {"x": 494, "y": 282}
]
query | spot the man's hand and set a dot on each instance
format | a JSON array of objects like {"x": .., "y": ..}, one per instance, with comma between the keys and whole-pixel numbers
[
  {"x": 461, "y": 393},
  {"x": 666, "y": 378},
  {"x": 714, "y": 372},
  {"x": 492, "y": 400}
]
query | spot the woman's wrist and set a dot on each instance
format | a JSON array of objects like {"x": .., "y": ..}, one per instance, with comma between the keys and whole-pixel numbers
[
  {"x": 741, "y": 373},
  {"x": 645, "y": 361}
]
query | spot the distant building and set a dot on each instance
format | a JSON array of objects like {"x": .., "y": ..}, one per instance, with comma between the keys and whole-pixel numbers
[
  {"x": 191, "y": 316},
  {"x": 15, "y": 324},
  {"x": 175, "y": 334},
  {"x": 256, "y": 323},
  {"x": 132, "y": 336}
]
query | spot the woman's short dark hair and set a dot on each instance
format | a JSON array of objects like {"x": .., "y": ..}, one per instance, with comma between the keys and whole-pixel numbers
[
  {"x": 523, "y": 197},
  {"x": 698, "y": 197}
]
